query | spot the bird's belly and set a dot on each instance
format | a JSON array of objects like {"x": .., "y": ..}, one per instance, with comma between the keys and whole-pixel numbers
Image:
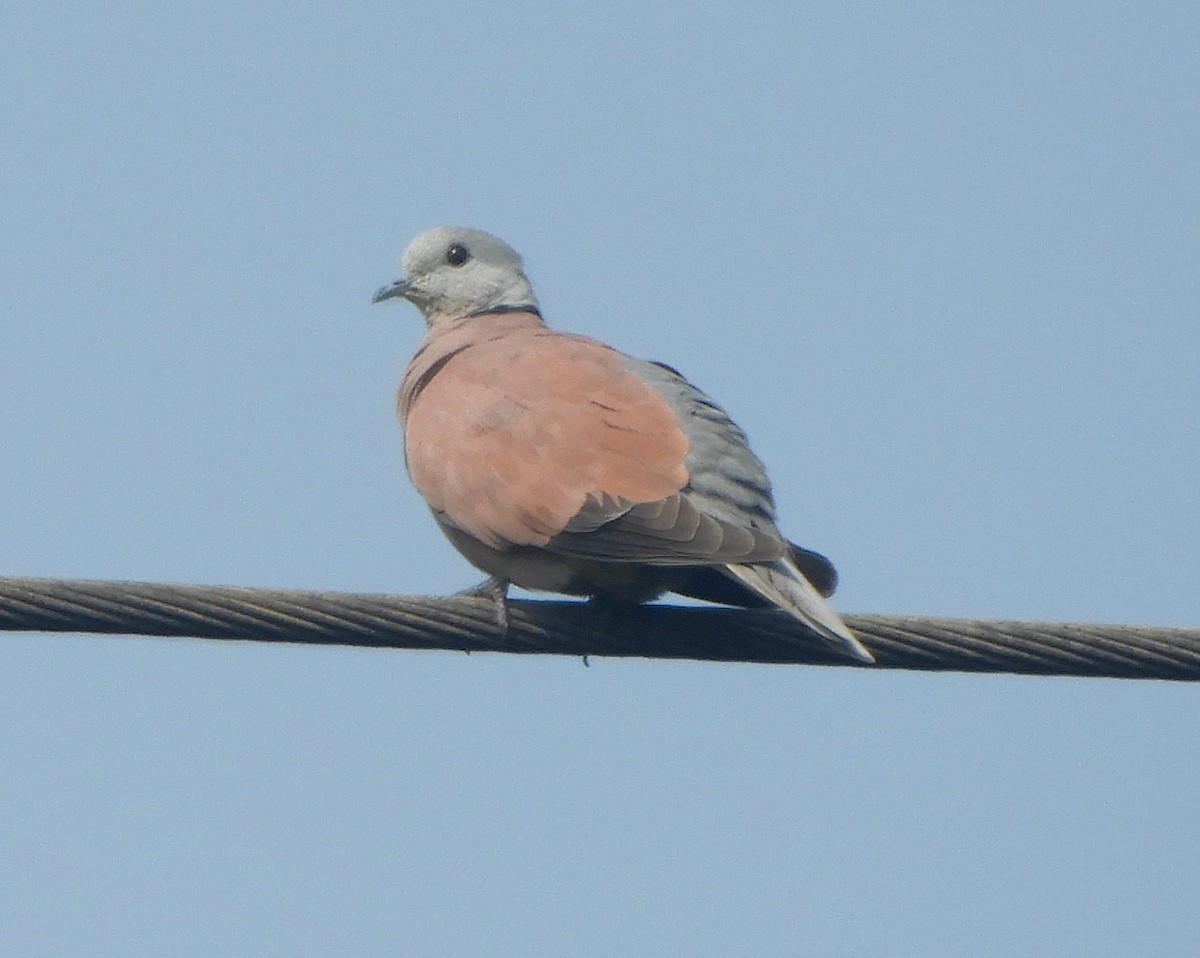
[{"x": 542, "y": 571}]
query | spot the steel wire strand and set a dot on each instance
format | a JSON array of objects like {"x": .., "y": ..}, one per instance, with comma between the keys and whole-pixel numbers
[{"x": 581, "y": 629}]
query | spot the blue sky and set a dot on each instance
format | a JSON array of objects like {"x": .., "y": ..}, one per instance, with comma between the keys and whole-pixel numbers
[{"x": 940, "y": 260}]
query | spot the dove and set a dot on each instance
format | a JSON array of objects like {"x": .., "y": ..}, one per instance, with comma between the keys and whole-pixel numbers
[{"x": 556, "y": 463}]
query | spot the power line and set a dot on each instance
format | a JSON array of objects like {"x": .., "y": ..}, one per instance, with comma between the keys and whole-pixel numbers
[{"x": 579, "y": 629}]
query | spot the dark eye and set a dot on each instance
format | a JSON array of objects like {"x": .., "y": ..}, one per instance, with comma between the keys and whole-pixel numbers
[{"x": 457, "y": 254}]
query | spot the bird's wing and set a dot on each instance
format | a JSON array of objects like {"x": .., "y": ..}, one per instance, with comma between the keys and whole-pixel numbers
[{"x": 712, "y": 584}]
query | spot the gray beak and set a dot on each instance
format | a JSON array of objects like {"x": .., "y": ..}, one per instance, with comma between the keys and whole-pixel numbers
[{"x": 398, "y": 288}]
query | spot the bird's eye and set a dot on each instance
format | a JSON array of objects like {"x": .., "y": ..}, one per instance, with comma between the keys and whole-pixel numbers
[{"x": 457, "y": 254}]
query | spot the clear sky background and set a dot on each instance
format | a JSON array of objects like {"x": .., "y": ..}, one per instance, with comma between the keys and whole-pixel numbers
[{"x": 941, "y": 260}]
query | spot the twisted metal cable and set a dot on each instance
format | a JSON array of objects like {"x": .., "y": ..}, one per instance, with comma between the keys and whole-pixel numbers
[{"x": 576, "y": 628}]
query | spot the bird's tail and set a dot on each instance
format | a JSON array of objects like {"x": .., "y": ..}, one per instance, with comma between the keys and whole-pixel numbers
[{"x": 782, "y": 583}]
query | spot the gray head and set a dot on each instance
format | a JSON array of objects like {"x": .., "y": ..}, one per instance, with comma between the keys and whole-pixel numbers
[{"x": 455, "y": 271}]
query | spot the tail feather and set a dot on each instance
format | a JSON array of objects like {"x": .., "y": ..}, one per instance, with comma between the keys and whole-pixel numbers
[{"x": 782, "y": 583}]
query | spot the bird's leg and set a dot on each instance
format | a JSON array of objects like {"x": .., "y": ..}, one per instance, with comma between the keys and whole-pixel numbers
[{"x": 496, "y": 589}]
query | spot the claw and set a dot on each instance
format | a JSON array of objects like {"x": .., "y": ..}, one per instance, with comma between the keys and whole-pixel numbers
[{"x": 496, "y": 589}]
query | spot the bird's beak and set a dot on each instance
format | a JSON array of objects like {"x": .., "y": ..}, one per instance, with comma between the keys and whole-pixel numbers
[{"x": 398, "y": 288}]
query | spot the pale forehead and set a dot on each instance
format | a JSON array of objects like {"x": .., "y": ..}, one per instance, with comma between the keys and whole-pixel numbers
[{"x": 429, "y": 248}]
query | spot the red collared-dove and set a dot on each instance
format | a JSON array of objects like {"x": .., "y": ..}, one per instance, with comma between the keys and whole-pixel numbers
[{"x": 556, "y": 463}]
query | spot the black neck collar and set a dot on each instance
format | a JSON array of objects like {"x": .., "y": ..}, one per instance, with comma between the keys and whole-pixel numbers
[{"x": 495, "y": 310}]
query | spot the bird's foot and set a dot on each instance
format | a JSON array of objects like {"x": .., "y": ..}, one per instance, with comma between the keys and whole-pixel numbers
[{"x": 496, "y": 589}]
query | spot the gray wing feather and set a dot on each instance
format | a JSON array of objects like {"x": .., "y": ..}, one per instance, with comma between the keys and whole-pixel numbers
[
  {"x": 727, "y": 480},
  {"x": 724, "y": 514},
  {"x": 671, "y": 532}
]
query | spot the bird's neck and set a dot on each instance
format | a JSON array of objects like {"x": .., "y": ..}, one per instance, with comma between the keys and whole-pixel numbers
[{"x": 495, "y": 320}]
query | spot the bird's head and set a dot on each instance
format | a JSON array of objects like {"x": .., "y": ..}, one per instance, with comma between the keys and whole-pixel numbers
[{"x": 451, "y": 272}]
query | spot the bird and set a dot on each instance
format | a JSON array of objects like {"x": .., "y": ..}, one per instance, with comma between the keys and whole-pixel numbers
[{"x": 554, "y": 462}]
